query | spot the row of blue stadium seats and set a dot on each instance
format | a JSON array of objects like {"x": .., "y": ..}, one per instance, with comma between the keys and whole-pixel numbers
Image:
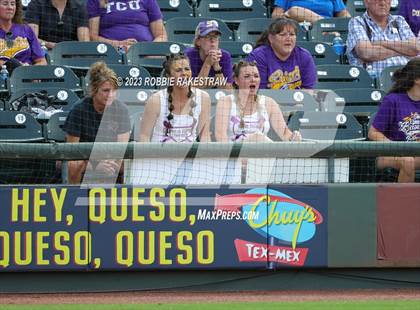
[
  {"x": 234, "y": 11},
  {"x": 182, "y": 29},
  {"x": 358, "y": 103},
  {"x": 331, "y": 76},
  {"x": 82, "y": 54},
  {"x": 20, "y": 126}
]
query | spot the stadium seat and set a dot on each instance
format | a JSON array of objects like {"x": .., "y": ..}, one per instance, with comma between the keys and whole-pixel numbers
[
  {"x": 321, "y": 52},
  {"x": 385, "y": 79},
  {"x": 177, "y": 8},
  {"x": 182, "y": 30},
  {"x": 135, "y": 121},
  {"x": 326, "y": 126},
  {"x": 292, "y": 100},
  {"x": 81, "y": 55},
  {"x": 25, "y": 4},
  {"x": 250, "y": 29},
  {"x": 343, "y": 76},
  {"x": 324, "y": 30},
  {"x": 17, "y": 126},
  {"x": 238, "y": 50},
  {"x": 20, "y": 127},
  {"x": 312, "y": 126},
  {"x": 361, "y": 102},
  {"x": 43, "y": 77},
  {"x": 231, "y": 12},
  {"x": 63, "y": 98},
  {"x": 137, "y": 54},
  {"x": 215, "y": 95},
  {"x": 358, "y": 101},
  {"x": 54, "y": 127}
]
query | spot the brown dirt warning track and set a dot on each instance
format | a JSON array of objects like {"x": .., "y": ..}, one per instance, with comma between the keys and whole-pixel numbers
[{"x": 197, "y": 297}]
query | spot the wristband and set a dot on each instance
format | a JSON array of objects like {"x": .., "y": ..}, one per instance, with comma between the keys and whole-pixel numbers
[{"x": 218, "y": 71}]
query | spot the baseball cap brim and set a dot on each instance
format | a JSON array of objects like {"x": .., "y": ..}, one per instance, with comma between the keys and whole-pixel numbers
[{"x": 208, "y": 30}]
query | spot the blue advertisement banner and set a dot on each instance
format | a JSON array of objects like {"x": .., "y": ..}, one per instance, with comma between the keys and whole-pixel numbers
[
  {"x": 41, "y": 229},
  {"x": 133, "y": 228}
]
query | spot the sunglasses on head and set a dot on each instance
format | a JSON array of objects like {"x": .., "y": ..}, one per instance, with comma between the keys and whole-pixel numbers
[{"x": 170, "y": 56}]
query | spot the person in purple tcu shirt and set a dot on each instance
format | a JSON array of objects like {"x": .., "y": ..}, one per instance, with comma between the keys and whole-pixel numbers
[
  {"x": 398, "y": 119},
  {"x": 18, "y": 43},
  {"x": 206, "y": 58},
  {"x": 123, "y": 23},
  {"x": 282, "y": 64},
  {"x": 410, "y": 10}
]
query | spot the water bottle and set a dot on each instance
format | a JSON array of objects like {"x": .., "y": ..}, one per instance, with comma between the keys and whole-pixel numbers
[
  {"x": 372, "y": 73},
  {"x": 338, "y": 45},
  {"x": 121, "y": 50},
  {"x": 4, "y": 74},
  {"x": 44, "y": 47}
]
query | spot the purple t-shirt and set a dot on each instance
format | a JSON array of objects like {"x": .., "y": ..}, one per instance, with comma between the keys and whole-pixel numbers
[
  {"x": 25, "y": 48},
  {"x": 196, "y": 63},
  {"x": 297, "y": 72},
  {"x": 121, "y": 20},
  {"x": 398, "y": 118},
  {"x": 410, "y": 10}
]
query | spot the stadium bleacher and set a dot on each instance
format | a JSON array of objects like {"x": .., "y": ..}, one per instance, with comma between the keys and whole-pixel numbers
[{"x": 354, "y": 93}]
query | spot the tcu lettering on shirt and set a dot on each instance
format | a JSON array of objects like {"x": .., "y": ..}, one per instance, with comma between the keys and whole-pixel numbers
[
  {"x": 415, "y": 12},
  {"x": 123, "y": 6}
]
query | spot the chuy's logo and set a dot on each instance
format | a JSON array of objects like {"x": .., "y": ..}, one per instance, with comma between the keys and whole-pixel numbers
[{"x": 281, "y": 218}]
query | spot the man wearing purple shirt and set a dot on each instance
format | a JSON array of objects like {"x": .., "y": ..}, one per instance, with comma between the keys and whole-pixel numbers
[
  {"x": 282, "y": 64},
  {"x": 206, "y": 59},
  {"x": 123, "y": 23},
  {"x": 410, "y": 10}
]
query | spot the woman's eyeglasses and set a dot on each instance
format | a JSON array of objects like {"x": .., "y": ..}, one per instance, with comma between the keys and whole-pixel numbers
[{"x": 212, "y": 37}]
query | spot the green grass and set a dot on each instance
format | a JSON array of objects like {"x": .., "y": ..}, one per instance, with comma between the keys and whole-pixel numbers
[{"x": 313, "y": 305}]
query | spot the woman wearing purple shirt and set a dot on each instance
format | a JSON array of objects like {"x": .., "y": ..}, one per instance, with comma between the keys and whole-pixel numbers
[
  {"x": 18, "y": 43},
  {"x": 122, "y": 23},
  {"x": 282, "y": 64},
  {"x": 398, "y": 119},
  {"x": 410, "y": 10}
]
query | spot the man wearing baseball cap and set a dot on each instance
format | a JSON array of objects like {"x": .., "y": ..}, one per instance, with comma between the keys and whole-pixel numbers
[{"x": 206, "y": 58}]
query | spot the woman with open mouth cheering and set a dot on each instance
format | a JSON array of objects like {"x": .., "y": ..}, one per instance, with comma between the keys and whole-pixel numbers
[{"x": 247, "y": 116}]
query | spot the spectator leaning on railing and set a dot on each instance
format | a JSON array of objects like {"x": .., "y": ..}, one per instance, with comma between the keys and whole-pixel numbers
[
  {"x": 98, "y": 118},
  {"x": 379, "y": 39}
]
